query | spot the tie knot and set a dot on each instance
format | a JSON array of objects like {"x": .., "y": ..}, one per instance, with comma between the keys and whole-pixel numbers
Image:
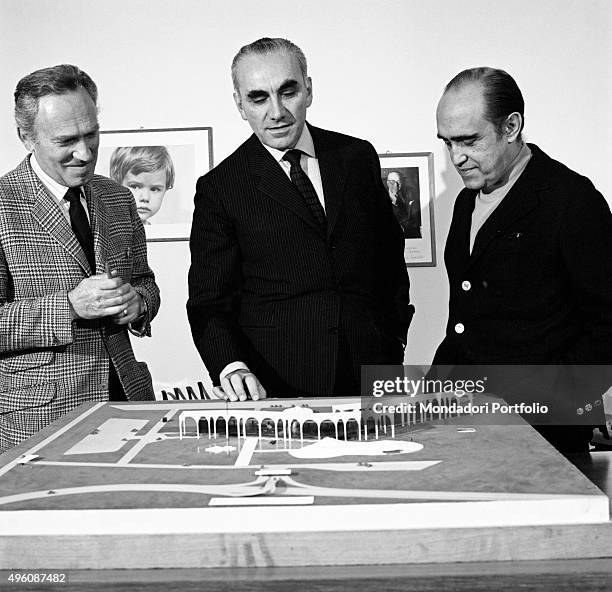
[
  {"x": 73, "y": 194},
  {"x": 293, "y": 156}
]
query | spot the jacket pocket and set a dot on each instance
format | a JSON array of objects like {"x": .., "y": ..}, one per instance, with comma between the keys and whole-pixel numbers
[
  {"x": 27, "y": 398},
  {"x": 26, "y": 361}
]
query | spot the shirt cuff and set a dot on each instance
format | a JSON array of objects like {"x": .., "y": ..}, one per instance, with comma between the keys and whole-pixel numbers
[
  {"x": 232, "y": 367},
  {"x": 138, "y": 326}
]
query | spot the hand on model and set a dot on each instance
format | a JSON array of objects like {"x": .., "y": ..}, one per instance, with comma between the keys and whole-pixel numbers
[{"x": 240, "y": 385}]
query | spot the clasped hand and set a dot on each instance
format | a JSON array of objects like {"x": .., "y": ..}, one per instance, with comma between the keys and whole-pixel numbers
[{"x": 105, "y": 295}]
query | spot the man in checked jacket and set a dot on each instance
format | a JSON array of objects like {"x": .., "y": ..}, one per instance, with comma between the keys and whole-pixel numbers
[{"x": 73, "y": 266}]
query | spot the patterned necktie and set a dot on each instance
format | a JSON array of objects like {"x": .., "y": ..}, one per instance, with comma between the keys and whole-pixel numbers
[
  {"x": 304, "y": 186},
  {"x": 80, "y": 224}
]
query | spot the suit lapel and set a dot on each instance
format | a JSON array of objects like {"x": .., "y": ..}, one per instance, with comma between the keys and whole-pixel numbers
[
  {"x": 47, "y": 213},
  {"x": 457, "y": 251},
  {"x": 274, "y": 183},
  {"x": 333, "y": 178},
  {"x": 518, "y": 202},
  {"x": 98, "y": 215}
]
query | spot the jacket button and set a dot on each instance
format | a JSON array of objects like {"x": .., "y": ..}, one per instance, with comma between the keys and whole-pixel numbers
[
  {"x": 333, "y": 330},
  {"x": 465, "y": 285},
  {"x": 459, "y": 328}
]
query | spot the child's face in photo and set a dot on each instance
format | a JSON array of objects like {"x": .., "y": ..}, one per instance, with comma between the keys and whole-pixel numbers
[{"x": 148, "y": 189}]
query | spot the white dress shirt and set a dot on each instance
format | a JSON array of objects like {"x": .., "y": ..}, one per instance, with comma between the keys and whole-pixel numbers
[{"x": 56, "y": 190}]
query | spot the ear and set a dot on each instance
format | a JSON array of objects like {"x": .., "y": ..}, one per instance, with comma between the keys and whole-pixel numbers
[
  {"x": 238, "y": 101},
  {"x": 512, "y": 126},
  {"x": 308, "y": 82},
  {"x": 27, "y": 139}
]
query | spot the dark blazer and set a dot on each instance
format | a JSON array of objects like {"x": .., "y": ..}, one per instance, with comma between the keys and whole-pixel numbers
[
  {"x": 537, "y": 288},
  {"x": 540, "y": 273},
  {"x": 269, "y": 288},
  {"x": 49, "y": 364}
]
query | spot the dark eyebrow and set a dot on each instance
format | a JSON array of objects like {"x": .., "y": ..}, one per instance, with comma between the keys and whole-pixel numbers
[
  {"x": 262, "y": 94},
  {"x": 459, "y": 138},
  {"x": 72, "y": 137},
  {"x": 257, "y": 94},
  {"x": 288, "y": 84}
]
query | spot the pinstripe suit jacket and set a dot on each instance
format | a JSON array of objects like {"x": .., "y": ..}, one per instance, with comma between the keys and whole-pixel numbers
[
  {"x": 268, "y": 287},
  {"x": 48, "y": 363}
]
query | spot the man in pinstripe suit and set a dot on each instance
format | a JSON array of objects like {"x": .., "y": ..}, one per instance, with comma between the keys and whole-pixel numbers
[
  {"x": 73, "y": 276},
  {"x": 297, "y": 275}
]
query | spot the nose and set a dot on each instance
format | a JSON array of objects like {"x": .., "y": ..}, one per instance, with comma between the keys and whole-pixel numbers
[
  {"x": 82, "y": 151},
  {"x": 457, "y": 155},
  {"x": 277, "y": 109},
  {"x": 142, "y": 196}
]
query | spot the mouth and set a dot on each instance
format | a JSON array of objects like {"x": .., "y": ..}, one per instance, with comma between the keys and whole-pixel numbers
[
  {"x": 79, "y": 168},
  {"x": 466, "y": 171},
  {"x": 279, "y": 129},
  {"x": 143, "y": 210}
]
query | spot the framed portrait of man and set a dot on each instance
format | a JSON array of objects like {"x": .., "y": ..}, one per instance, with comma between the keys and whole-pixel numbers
[{"x": 408, "y": 178}]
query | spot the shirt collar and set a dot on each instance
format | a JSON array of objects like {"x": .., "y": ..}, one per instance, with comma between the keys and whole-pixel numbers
[
  {"x": 57, "y": 190},
  {"x": 305, "y": 144}
]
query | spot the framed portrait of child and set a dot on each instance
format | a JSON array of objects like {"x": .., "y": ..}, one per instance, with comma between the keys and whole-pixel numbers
[{"x": 160, "y": 167}]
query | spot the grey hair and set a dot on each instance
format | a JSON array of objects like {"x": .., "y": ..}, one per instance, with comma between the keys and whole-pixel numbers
[
  {"x": 267, "y": 45},
  {"x": 55, "y": 80}
]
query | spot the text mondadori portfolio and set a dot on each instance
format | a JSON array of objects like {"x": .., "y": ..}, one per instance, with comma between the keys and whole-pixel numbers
[{"x": 458, "y": 408}]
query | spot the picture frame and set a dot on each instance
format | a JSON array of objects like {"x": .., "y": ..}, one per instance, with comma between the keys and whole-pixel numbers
[
  {"x": 409, "y": 179},
  {"x": 161, "y": 167}
]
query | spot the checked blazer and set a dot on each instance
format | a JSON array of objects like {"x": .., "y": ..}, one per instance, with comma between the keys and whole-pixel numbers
[
  {"x": 49, "y": 363},
  {"x": 269, "y": 287}
]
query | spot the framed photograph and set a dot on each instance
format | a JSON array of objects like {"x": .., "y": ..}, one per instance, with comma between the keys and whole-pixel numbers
[
  {"x": 409, "y": 179},
  {"x": 160, "y": 167}
]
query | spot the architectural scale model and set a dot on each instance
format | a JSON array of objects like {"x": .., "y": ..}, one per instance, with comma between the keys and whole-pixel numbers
[
  {"x": 366, "y": 414},
  {"x": 282, "y": 482}
]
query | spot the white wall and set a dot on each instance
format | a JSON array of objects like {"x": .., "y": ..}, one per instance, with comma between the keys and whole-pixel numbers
[{"x": 378, "y": 68}]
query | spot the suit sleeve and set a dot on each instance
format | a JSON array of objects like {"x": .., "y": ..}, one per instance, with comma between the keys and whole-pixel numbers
[
  {"x": 586, "y": 244},
  {"x": 29, "y": 323},
  {"x": 215, "y": 282},
  {"x": 32, "y": 323},
  {"x": 394, "y": 282}
]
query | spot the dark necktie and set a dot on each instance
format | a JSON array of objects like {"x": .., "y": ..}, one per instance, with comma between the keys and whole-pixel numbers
[
  {"x": 80, "y": 225},
  {"x": 304, "y": 186}
]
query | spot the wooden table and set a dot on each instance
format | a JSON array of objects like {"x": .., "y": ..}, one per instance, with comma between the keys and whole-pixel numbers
[{"x": 417, "y": 559}]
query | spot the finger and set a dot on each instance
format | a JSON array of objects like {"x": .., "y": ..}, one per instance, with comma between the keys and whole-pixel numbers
[
  {"x": 236, "y": 379},
  {"x": 124, "y": 318},
  {"x": 230, "y": 395},
  {"x": 110, "y": 272},
  {"x": 218, "y": 393},
  {"x": 103, "y": 282},
  {"x": 103, "y": 303},
  {"x": 253, "y": 386},
  {"x": 113, "y": 311},
  {"x": 123, "y": 290}
]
